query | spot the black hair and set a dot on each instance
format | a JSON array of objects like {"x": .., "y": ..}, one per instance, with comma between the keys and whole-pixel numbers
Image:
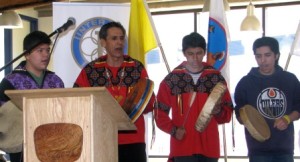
[
  {"x": 35, "y": 38},
  {"x": 105, "y": 27},
  {"x": 267, "y": 41},
  {"x": 193, "y": 40}
]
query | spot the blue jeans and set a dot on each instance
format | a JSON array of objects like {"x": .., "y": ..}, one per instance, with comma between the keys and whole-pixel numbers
[{"x": 274, "y": 158}]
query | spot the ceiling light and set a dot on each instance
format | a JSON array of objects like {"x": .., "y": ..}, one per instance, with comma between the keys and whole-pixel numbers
[
  {"x": 250, "y": 22},
  {"x": 10, "y": 19},
  {"x": 206, "y": 6}
]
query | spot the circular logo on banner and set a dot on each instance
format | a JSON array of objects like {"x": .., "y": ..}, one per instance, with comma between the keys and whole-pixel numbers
[
  {"x": 217, "y": 45},
  {"x": 271, "y": 103},
  {"x": 85, "y": 40}
]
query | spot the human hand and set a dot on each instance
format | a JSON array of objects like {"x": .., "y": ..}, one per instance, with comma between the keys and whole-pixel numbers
[
  {"x": 180, "y": 132},
  {"x": 281, "y": 123},
  {"x": 217, "y": 109}
]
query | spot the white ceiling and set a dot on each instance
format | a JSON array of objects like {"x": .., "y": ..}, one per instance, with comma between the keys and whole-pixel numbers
[{"x": 171, "y": 5}]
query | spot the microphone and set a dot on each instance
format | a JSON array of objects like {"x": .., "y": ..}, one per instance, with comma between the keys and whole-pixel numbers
[{"x": 71, "y": 21}]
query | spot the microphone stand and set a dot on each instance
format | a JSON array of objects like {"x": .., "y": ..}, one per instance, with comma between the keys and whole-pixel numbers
[
  {"x": 35, "y": 45},
  {"x": 54, "y": 43}
]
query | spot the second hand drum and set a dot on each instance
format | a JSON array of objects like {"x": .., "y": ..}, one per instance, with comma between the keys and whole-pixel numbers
[
  {"x": 138, "y": 98},
  {"x": 255, "y": 123}
]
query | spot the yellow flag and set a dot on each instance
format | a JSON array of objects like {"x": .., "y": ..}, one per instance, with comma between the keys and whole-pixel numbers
[{"x": 141, "y": 37}]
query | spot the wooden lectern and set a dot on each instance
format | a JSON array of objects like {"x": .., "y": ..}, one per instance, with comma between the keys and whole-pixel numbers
[{"x": 93, "y": 109}]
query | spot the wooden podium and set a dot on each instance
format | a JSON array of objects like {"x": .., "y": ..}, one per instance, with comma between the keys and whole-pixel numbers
[{"x": 93, "y": 109}]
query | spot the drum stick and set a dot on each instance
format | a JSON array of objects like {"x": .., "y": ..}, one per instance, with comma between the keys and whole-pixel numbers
[
  {"x": 192, "y": 99},
  {"x": 270, "y": 112}
]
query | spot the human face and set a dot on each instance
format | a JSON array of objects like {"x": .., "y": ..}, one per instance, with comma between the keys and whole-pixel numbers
[
  {"x": 194, "y": 57},
  {"x": 114, "y": 42},
  {"x": 38, "y": 59},
  {"x": 265, "y": 59}
]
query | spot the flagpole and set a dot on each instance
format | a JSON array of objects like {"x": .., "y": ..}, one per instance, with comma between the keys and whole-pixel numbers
[
  {"x": 156, "y": 36},
  {"x": 287, "y": 62},
  {"x": 224, "y": 142},
  {"x": 215, "y": 13},
  {"x": 293, "y": 46}
]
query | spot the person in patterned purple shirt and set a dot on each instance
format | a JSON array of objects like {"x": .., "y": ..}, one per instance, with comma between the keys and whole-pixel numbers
[{"x": 31, "y": 73}]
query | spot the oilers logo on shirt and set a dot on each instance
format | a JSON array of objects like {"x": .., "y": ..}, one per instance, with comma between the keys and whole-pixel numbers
[{"x": 271, "y": 103}]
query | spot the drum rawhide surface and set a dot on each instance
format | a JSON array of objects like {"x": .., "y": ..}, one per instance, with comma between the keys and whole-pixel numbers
[
  {"x": 255, "y": 123},
  {"x": 213, "y": 99},
  {"x": 138, "y": 98},
  {"x": 11, "y": 128}
]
